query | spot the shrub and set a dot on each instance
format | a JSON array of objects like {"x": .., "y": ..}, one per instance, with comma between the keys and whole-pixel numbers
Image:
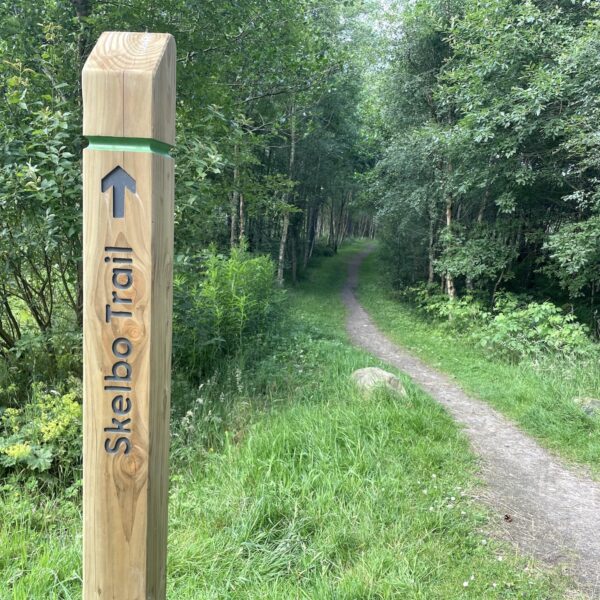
[
  {"x": 322, "y": 249},
  {"x": 420, "y": 295},
  {"x": 222, "y": 308},
  {"x": 43, "y": 435},
  {"x": 534, "y": 330},
  {"x": 53, "y": 356},
  {"x": 461, "y": 314},
  {"x": 515, "y": 329}
]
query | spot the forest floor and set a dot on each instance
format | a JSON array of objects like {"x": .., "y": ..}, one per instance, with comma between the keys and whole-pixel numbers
[{"x": 547, "y": 508}]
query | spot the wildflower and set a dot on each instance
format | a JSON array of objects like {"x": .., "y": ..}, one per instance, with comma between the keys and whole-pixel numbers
[
  {"x": 465, "y": 584},
  {"x": 18, "y": 451}
]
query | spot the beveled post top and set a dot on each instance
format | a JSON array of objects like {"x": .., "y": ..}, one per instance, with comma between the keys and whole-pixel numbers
[{"x": 129, "y": 87}]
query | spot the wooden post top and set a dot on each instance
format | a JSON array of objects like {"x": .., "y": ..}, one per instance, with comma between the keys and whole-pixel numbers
[{"x": 129, "y": 87}]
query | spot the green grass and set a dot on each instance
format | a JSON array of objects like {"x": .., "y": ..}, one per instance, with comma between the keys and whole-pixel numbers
[
  {"x": 540, "y": 398},
  {"x": 287, "y": 483}
]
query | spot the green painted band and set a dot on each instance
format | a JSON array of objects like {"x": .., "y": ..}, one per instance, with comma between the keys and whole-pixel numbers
[{"x": 117, "y": 144}]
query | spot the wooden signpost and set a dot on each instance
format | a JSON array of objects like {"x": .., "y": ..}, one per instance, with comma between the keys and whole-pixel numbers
[{"x": 128, "y": 189}]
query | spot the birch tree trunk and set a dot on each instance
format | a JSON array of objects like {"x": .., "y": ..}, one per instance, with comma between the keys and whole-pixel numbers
[
  {"x": 286, "y": 216},
  {"x": 450, "y": 288},
  {"x": 242, "y": 220},
  {"x": 282, "y": 242},
  {"x": 235, "y": 198},
  {"x": 431, "y": 251}
]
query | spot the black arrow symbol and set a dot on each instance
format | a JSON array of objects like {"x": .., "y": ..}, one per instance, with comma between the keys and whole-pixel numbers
[{"x": 118, "y": 179}]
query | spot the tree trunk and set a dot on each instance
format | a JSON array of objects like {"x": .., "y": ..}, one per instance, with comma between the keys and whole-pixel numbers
[
  {"x": 294, "y": 258},
  {"x": 431, "y": 249},
  {"x": 483, "y": 206},
  {"x": 332, "y": 229},
  {"x": 242, "y": 221},
  {"x": 282, "y": 242},
  {"x": 344, "y": 219},
  {"x": 450, "y": 288},
  {"x": 315, "y": 229},
  {"x": 286, "y": 216},
  {"x": 431, "y": 256},
  {"x": 310, "y": 232},
  {"x": 292, "y": 141},
  {"x": 235, "y": 198}
]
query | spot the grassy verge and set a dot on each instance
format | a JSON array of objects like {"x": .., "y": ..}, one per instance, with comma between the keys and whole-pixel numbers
[
  {"x": 540, "y": 399},
  {"x": 287, "y": 483}
]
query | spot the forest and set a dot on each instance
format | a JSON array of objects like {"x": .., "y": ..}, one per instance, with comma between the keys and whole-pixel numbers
[{"x": 456, "y": 140}]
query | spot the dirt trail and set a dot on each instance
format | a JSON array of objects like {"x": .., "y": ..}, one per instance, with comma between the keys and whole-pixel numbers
[{"x": 555, "y": 511}]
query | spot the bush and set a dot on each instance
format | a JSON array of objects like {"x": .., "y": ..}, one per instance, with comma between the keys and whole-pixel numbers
[
  {"x": 516, "y": 328},
  {"x": 222, "y": 308},
  {"x": 534, "y": 330},
  {"x": 461, "y": 314},
  {"x": 322, "y": 249},
  {"x": 44, "y": 435},
  {"x": 53, "y": 357}
]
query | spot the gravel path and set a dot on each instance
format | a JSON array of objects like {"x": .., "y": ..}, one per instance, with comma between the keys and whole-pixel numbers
[{"x": 553, "y": 511}]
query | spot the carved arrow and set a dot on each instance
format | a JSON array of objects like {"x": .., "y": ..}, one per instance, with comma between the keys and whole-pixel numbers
[{"x": 118, "y": 179}]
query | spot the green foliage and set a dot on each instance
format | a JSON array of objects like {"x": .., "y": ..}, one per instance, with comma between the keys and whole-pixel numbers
[
  {"x": 534, "y": 330},
  {"x": 43, "y": 436},
  {"x": 221, "y": 308},
  {"x": 461, "y": 315},
  {"x": 515, "y": 328},
  {"x": 575, "y": 253},
  {"x": 479, "y": 255},
  {"x": 267, "y": 127},
  {"x": 489, "y": 162}
]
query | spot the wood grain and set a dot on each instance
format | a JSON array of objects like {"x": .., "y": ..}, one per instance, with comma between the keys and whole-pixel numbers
[
  {"x": 129, "y": 87},
  {"x": 127, "y": 268}
]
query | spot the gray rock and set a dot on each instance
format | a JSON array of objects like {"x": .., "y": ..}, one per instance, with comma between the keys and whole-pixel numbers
[
  {"x": 370, "y": 377},
  {"x": 590, "y": 406}
]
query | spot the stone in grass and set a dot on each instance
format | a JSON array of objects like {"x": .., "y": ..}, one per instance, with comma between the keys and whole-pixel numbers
[
  {"x": 590, "y": 406},
  {"x": 371, "y": 377}
]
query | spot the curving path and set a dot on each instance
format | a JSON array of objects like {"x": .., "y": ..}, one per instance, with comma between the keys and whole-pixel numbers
[{"x": 554, "y": 510}]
